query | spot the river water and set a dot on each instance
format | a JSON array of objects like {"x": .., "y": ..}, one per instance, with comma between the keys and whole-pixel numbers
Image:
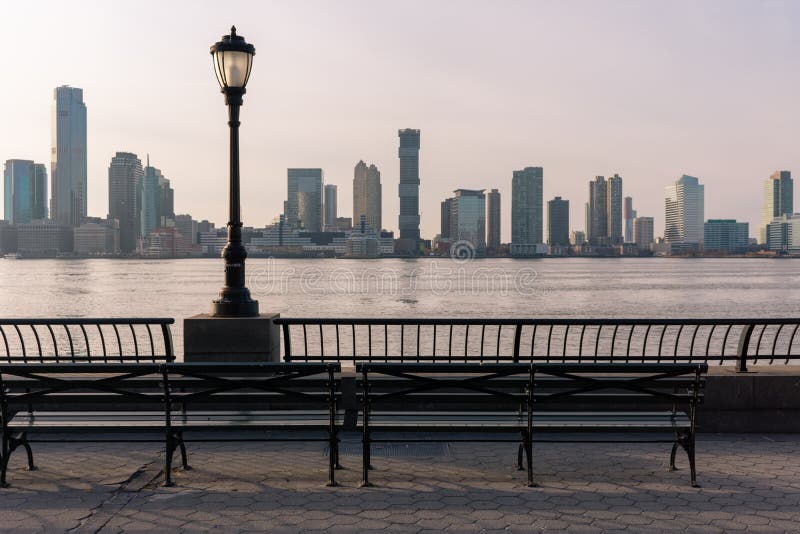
[{"x": 426, "y": 287}]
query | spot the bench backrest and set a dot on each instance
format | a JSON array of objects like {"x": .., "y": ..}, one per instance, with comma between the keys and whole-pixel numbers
[
  {"x": 86, "y": 340},
  {"x": 722, "y": 341}
]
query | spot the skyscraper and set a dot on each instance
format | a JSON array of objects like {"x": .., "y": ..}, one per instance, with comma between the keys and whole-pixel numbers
[
  {"x": 68, "y": 156},
  {"x": 367, "y": 195},
  {"x": 614, "y": 203},
  {"x": 124, "y": 198},
  {"x": 305, "y": 191},
  {"x": 446, "y": 218},
  {"x": 684, "y": 204},
  {"x": 778, "y": 200},
  {"x": 166, "y": 206},
  {"x": 330, "y": 208},
  {"x": 558, "y": 222},
  {"x": 598, "y": 213},
  {"x": 151, "y": 196},
  {"x": 25, "y": 191},
  {"x": 409, "y": 184},
  {"x": 628, "y": 214},
  {"x": 526, "y": 210},
  {"x": 493, "y": 221},
  {"x": 468, "y": 218}
]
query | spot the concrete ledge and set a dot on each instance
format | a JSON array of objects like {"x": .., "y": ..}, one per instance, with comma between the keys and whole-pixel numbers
[{"x": 231, "y": 339}]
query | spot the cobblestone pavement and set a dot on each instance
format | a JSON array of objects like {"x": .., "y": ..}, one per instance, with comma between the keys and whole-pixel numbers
[{"x": 749, "y": 483}]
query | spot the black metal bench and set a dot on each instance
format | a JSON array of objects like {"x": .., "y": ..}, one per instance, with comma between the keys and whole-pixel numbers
[
  {"x": 530, "y": 399},
  {"x": 182, "y": 402}
]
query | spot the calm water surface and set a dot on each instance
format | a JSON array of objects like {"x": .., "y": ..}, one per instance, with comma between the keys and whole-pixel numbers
[{"x": 630, "y": 287}]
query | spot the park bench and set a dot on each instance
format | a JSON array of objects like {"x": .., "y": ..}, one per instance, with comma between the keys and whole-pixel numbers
[
  {"x": 182, "y": 402},
  {"x": 491, "y": 401}
]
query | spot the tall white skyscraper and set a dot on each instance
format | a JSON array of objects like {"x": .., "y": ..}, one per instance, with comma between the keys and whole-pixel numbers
[
  {"x": 685, "y": 213},
  {"x": 614, "y": 208},
  {"x": 778, "y": 200},
  {"x": 68, "y": 156},
  {"x": 330, "y": 206}
]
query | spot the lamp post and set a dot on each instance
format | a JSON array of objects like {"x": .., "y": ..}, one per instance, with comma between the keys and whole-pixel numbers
[{"x": 233, "y": 61}]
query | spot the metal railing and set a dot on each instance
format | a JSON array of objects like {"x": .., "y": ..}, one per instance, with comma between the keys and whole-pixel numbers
[
  {"x": 89, "y": 340},
  {"x": 739, "y": 342}
]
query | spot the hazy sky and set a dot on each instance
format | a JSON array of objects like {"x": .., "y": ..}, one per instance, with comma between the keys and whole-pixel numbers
[{"x": 646, "y": 89}]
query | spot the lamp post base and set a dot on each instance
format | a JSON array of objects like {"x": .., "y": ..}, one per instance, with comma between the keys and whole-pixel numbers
[{"x": 224, "y": 308}]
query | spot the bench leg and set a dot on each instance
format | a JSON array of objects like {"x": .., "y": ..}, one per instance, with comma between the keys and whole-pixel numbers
[
  {"x": 333, "y": 458},
  {"x": 686, "y": 441},
  {"x": 24, "y": 442},
  {"x": 4, "y": 460},
  {"x": 184, "y": 459},
  {"x": 365, "y": 465},
  {"x": 672, "y": 454},
  {"x": 529, "y": 458},
  {"x": 168, "y": 461}
]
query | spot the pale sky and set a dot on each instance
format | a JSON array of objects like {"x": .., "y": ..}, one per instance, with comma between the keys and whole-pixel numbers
[{"x": 646, "y": 89}]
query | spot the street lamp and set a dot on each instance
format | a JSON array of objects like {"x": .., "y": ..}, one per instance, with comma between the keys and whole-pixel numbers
[{"x": 233, "y": 60}]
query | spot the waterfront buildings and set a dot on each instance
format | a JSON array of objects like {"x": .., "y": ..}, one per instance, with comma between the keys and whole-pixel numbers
[
  {"x": 526, "y": 211},
  {"x": 408, "y": 189},
  {"x": 783, "y": 234},
  {"x": 124, "y": 198},
  {"x": 778, "y": 200},
  {"x": 68, "y": 156},
  {"x": 166, "y": 207},
  {"x": 150, "y": 209},
  {"x": 493, "y": 221},
  {"x": 597, "y": 220},
  {"x": 165, "y": 243},
  {"x": 44, "y": 239},
  {"x": 446, "y": 219},
  {"x": 558, "y": 222},
  {"x": 628, "y": 214},
  {"x": 97, "y": 237},
  {"x": 726, "y": 235},
  {"x": 188, "y": 228},
  {"x": 25, "y": 191},
  {"x": 344, "y": 223},
  {"x": 468, "y": 218},
  {"x": 367, "y": 195},
  {"x": 330, "y": 207},
  {"x": 614, "y": 208},
  {"x": 577, "y": 238},
  {"x": 643, "y": 233},
  {"x": 684, "y": 202},
  {"x": 303, "y": 208}
]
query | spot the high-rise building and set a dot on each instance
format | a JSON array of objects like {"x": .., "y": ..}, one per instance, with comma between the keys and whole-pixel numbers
[
  {"x": 643, "y": 232},
  {"x": 726, "y": 235},
  {"x": 150, "y": 214},
  {"x": 329, "y": 205},
  {"x": 685, "y": 210},
  {"x": 558, "y": 222},
  {"x": 166, "y": 207},
  {"x": 628, "y": 214},
  {"x": 367, "y": 195},
  {"x": 778, "y": 200},
  {"x": 124, "y": 197},
  {"x": 68, "y": 156},
  {"x": 468, "y": 218},
  {"x": 598, "y": 212},
  {"x": 446, "y": 219},
  {"x": 614, "y": 206},
  {"x": 409, "y": 184},
  {"x": 304, "y": 187},
  {"x": 493, "y": 221},
  {"x": 526, "y": 210},
  {"x": 25, "y": 191}
]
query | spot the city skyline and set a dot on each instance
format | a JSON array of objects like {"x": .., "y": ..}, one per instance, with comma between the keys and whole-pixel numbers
[{"x": 680, "y": 128}]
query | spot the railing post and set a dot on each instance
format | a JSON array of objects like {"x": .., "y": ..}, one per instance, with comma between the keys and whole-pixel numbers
[
  {"x": 744, "y": 345},
  {"x": 517, "y": 338},
  {"x": 287, "y": 343}
]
